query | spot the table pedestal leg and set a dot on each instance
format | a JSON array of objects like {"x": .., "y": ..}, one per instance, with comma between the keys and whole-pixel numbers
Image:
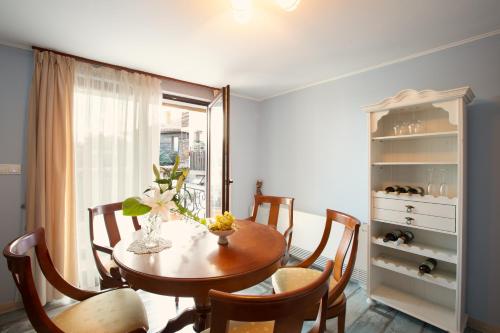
[
  {"x": 202, "y": 307},
  {"x": 186, "y": 317},
  {"x": 199, "y": 316}
]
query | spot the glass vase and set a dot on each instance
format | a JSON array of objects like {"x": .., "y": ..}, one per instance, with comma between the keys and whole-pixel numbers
[{"x": 151, "y": 230}]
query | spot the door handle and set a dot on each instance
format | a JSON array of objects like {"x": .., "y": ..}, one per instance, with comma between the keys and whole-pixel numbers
[{"x": 230, "y": 181}]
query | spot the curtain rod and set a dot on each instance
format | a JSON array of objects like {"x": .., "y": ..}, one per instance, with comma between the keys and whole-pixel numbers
[{"x": 100, "y": 63}]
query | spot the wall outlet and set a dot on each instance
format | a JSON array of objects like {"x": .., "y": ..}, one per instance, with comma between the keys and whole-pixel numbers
[{"x": 10, "y": 169}]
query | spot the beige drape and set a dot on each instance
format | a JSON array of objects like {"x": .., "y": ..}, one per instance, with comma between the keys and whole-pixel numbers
[{"x": 50, "y": 190}]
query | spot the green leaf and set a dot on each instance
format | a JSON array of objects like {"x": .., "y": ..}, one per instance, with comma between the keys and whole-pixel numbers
[
  {"x": 176, "y": 165},
  {"x": 156, "y": 172},
  {"x": 162, "y": 181},
  {"x": 134, "y": 207},
  {"x": 180, "y": 181}
]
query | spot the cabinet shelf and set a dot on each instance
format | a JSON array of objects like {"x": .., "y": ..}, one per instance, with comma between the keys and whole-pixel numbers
[
  {"x": 423, "y": 250},
  {"x": 432, "y": 313},
  {"x": 415, "y": 197},
  {"x": 416, "y": 136},
  {"x": 414, "y": 163},
  {"x": 408, "y": 268}
]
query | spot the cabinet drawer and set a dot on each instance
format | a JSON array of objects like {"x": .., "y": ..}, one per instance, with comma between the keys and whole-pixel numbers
[
  {"x": 425, "y": 221},
  {"x": 415, "y": 207}
]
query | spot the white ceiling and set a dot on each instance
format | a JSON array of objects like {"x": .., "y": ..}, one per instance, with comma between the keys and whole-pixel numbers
[{"x": 277, "y": 51}]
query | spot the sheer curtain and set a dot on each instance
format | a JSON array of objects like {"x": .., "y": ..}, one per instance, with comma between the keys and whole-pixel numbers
[{"x": 116, "y": 141}]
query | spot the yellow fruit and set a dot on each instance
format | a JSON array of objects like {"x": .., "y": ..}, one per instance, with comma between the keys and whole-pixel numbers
[{"x": 222, "y": 222}]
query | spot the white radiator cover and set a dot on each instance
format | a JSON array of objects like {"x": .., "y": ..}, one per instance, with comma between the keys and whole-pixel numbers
[{"x": 307, "y": 231}]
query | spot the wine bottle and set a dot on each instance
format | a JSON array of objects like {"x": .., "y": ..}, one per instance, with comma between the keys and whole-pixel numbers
[
  {"x": 420, "y": 190},
  {"x": 389, "y": 189},
  {"x": 427, "y": 266},
  {"x": 412, "y": 190},
  {"x": 405, "y": 238},
  {"x": 392, "y": 236},
  {"x": 404, "y": 189}
]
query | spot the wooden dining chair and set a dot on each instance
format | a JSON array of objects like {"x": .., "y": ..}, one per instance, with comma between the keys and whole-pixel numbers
[
  {"x": 279, "y": 313},
  {"x": 112, "y": 311},
  {"x": 109, "y": 274},
  {"x": 108, "y": 270},
  {"x": 292, "y": 277},
  {"x": 274, "y": 209}
]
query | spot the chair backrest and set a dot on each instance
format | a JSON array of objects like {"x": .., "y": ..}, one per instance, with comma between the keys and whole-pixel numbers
[
  {"x": 288, "y": 310},
  {"x": 109, "y": 215},
  {"x": 19, "y": 263},
  {"x": 274, "y": 209},
  {"x": 348, "y": 241}
]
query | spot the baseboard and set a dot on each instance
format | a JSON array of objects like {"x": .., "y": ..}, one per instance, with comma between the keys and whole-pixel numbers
[
  {"x": 482, "y": 327},
  {"x": 8, "y": 307}
]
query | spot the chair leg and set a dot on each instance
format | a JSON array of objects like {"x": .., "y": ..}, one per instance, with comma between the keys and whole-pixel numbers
[
  {"x": 104, "y": 284},
  {"x": 341, "y": 321},
  {"x": 176, "y": 302}
]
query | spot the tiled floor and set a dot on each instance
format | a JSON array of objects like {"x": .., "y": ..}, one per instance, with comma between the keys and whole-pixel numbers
[{"x": 360, "y": 317}]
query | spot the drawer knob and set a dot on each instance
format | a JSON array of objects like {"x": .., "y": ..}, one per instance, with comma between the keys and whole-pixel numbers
[
  {"x": 409, "y": 220},
  {"x": 409, "y": 208}
]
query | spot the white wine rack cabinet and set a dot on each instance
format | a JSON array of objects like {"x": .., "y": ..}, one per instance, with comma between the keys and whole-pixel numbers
[{"x": 417, "y": 140}]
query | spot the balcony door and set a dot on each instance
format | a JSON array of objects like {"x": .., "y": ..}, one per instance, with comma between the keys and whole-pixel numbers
[{"x": 218, "y": 154}]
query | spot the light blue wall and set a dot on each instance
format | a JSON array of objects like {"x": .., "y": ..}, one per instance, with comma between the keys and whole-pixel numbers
[
  {"x": 15, "y": 78},
  {"x": 243, "y": 151},
  {"x": 313, "y": 146}
]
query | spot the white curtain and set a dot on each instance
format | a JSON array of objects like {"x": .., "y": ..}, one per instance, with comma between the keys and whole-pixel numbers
[{"x": 117, "y": 137}]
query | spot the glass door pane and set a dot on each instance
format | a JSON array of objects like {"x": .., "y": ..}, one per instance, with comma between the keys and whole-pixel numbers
[
  {"x": 218, "y": 150},
  {"x": 183, "y": 133}
]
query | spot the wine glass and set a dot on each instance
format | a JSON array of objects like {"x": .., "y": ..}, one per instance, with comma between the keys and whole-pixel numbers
[
  {"x": 396, "y": 128},
  {"x": 430, "y": 187},
  {"x": 404, "y": 128},
  {"x": 443, "y": 187},
  {"x": 419, "y": 127},
  {"x": 412, "y": 127}
]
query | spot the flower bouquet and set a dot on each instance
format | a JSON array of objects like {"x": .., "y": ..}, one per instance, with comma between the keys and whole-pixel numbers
[{"x": 159, "y": 200}]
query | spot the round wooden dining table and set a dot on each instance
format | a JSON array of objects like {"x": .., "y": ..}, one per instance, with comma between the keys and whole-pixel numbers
[{"x": 195, "y": 263}]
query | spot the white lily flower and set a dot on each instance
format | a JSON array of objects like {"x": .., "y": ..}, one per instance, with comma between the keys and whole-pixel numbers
[{"x": 160, "y": 203}]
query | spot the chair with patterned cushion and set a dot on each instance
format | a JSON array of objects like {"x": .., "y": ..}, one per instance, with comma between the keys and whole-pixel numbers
[
  {"x": 111, "y": 311},
  {"x": 279, "y": 313},
  {"x": 290, "y": 278},
  {"x": 275, "y": 204},
  {"x": 110, "y": 276},
  {"x": 108, "y": 270}
]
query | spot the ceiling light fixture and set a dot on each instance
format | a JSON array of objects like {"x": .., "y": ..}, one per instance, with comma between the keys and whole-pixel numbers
[
  {"x": 288, "y": 5},
  {"x": 243, "y": 9}
]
